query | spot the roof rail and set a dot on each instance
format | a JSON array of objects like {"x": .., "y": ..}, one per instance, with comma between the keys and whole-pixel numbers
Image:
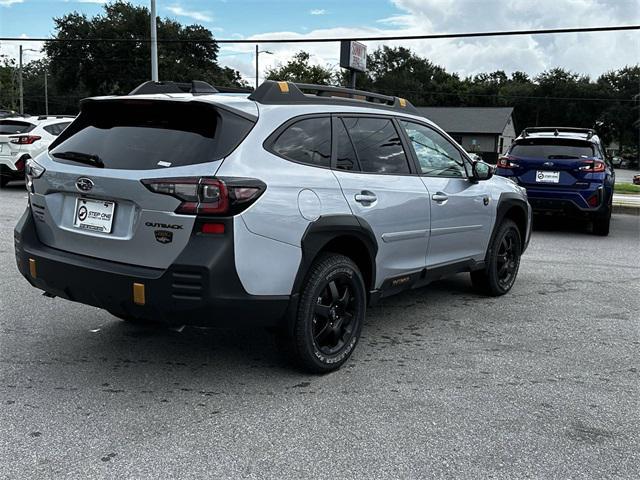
[
  {"x": 196, "y": 87},
  {"x": 289, "y": 93},
  {"x": 589, "y": 132},
  {"x": 44, "y": 117}
]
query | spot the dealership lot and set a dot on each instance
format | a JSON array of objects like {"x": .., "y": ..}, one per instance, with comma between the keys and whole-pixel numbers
[{"x": 445, "y": 383}]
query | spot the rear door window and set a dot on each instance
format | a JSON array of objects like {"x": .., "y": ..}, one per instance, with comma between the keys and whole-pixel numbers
[
  {"x": 306, "y": 141},
  {"x": 554, "y": 149},
  {"x": 141, "y": 135},
  {"x": 13, "y": 127},
  {"x": 377, "y": 145}
]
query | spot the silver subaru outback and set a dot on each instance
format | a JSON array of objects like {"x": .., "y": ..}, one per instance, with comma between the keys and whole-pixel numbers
[{"x": 293, "y": 207}]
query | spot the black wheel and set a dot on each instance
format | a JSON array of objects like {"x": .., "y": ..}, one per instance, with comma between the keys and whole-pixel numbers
[
  {"x": 4, "y": 179},
  {"x": 602, "y": 223},
  {"x": 501, "y": 270},
  {"x": 330, "y": 314}
]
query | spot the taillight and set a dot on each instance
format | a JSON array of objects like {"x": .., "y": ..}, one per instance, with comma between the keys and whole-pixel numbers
[
  {"x": 24, "y": 139},
  {"x": 593, "y": 166},
  {"x": 507, "y": 162},
  {"x": 208, "y": 196}
]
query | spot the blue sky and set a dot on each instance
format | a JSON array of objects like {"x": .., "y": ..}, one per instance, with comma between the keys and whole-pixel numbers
[{"x": 591, "y": 54}]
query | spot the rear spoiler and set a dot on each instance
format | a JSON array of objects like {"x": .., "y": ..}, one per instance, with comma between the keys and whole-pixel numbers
[{"x": 588, "y": 132}]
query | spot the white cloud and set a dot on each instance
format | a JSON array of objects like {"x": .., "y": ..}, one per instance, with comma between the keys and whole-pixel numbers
[
  {"x": 586, "y": 53},
  {"x": 318, "y": 11},
  {"x": 8, "y": 3},
  {"x": 194, "y": 14}
]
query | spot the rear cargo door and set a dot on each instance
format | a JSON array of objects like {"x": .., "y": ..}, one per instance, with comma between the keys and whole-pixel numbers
[
  {"x": 551, "y": 163},
  {"x": 91, "y": 199}
]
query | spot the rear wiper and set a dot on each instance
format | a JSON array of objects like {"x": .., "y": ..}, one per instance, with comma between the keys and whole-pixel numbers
[
  {"x": 560, "y": 157},
  {"x": 86, "y": 158}
]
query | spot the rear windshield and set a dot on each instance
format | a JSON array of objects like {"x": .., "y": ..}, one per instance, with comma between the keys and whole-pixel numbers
[
  {"x": 141, "y": 135},
  {"x": 553, "y": 148},
  {"x": 11, "y": 127}
]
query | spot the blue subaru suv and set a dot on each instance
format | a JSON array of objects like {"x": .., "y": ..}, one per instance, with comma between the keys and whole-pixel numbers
[{"x": 564, "y": 171}]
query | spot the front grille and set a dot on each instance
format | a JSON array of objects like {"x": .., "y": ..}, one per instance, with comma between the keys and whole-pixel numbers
[{"x": 187, "y": 285}]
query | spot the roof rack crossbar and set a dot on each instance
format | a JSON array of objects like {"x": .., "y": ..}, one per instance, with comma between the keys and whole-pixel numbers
[
  {"x": 290, "y": 93},
  {"x": 589, "y": 132},
  {"x": 195, "y": 87}
]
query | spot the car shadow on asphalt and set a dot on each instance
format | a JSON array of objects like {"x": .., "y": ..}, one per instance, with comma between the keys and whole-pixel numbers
[{"x": 117, "y": 347}]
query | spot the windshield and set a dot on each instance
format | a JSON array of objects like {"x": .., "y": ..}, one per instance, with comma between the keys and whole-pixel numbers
[
  {"x": 12, "y": 127},
  {"x": 140, "y": 135},
  {"x": 551, "y": 148}
]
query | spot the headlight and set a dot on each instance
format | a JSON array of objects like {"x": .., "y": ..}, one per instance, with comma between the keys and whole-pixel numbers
[{"x": 33, "y": 169}]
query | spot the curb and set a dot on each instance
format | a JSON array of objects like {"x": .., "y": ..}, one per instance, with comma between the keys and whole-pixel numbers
[{"x": 626, "y": 208}]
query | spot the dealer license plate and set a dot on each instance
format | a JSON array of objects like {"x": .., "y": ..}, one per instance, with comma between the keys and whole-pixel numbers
[
  {"x": 547, "y": 177},
  {"x": 94, "y": 215}
]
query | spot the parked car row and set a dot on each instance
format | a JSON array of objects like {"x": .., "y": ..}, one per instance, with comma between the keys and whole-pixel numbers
[{"x": 25, "y": 137}]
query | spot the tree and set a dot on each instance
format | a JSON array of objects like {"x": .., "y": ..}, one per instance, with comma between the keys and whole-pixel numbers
[
  {"x": 299, "y": 70},
  {"x": 84, "y": 67},
  {"x": 398, "y": 71}
]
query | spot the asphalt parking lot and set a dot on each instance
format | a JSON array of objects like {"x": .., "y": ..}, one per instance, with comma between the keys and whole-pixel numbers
[{"x": 541, "y": 383}]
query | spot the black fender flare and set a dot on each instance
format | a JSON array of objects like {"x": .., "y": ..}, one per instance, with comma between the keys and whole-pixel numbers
[
  {"x": 317, "y": 235},
  {"x": 506, "y": 202}
]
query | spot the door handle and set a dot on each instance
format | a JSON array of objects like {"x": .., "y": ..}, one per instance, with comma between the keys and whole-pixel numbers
[
  {"x": 365, "y": 197},
  {"x": 439, "y": 197}
]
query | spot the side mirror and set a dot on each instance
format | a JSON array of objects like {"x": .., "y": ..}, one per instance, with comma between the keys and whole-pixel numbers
[{"x": 482, "y": 170}]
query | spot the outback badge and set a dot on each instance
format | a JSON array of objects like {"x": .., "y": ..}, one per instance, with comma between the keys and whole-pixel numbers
[{"x": 163, "y": 236}]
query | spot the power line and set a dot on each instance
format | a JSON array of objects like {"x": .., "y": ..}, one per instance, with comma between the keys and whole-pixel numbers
[{"x": 433, "y": 36}]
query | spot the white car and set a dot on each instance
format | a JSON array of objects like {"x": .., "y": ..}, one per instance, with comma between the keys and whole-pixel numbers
[{"x": 22, "y": 138}]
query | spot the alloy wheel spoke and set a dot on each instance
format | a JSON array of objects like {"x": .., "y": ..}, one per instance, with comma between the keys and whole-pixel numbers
[
  {"x": 344, "y": 300},
  {"x": 322, "y": 310},
  {"x": 323, "y": 333},
  {"x": 333, "y": 290}
]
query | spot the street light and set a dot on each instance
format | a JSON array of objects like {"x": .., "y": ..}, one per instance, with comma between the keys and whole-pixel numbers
[
  {"x": 20, "y": 86},
  {"x": 258, "y": 52}
]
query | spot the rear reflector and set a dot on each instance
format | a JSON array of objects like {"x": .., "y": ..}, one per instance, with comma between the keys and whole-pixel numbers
[
  {"x": 212, "y": 228},
  {"x": 138, "y": 294},
  {"x": 32, "y": 268}
]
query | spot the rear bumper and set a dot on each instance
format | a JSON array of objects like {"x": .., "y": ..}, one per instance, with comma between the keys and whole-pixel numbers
[
  {"x": 200, "y": 288},
  {"x": 568, "y": 202}
]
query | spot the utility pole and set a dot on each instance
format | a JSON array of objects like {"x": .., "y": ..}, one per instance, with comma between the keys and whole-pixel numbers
[
  {"x": 46, "y": 92},
  {"x": 20, "y": 83},
  {"x": 154, "y": 43},
  {"x": 258, "y": 52}
]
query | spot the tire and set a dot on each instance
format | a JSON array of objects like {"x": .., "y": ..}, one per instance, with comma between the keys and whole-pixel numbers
[
  {"x": 330, "y": 315},
  {"x": 503, "y": 262},
  {"x": 602, "y": 223},
  {"x": 4, "y": 179}
]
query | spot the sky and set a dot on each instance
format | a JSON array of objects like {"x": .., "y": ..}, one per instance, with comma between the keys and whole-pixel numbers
[{"x": 585, "y": 53}]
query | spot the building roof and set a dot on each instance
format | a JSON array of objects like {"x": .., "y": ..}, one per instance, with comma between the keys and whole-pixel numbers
[{"x": 491, "y": 120}]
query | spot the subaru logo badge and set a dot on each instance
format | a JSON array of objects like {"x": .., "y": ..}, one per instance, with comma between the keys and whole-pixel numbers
[{"x": 84, "y": 184}]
